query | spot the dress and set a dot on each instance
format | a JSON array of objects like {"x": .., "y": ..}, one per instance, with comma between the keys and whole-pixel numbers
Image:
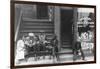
[
  {"x": 20, "y": 49},
  {"x": 42, "y": 38}
]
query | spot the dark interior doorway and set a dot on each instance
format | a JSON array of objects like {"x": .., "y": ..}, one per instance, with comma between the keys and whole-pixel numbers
[{"x": 66, "y": 27}]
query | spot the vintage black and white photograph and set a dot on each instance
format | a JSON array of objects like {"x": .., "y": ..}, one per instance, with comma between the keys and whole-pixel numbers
[{"x": 53, "y": 34}]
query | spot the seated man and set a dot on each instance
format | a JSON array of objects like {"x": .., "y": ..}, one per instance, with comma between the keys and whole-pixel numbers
[
  {"x": 42, "y": 46},
  {"x": 43, "y": 39},
  {"x": 54, "y": 43},
  {"x": 36, "y": 47}
]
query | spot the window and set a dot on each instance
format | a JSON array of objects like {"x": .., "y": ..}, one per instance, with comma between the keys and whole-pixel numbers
[{"x": 42, "y": 12}]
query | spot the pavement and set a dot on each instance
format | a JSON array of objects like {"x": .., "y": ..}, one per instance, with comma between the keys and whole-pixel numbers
[{"x": 64, "y": 58}]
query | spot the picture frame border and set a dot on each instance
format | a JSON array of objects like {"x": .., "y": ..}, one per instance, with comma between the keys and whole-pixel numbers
[{"x": 12, "y": 21}]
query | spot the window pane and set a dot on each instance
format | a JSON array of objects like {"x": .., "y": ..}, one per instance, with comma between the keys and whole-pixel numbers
[{"x": 42, "y": 11}]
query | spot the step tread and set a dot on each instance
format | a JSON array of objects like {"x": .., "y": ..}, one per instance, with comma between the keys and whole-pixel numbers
[
  {"x": 35, "y": 20},
  {"x": 44, "y": 27},
  {"x": 66, "y": 51},
  {"x": 47, "y": 33},
  {"x": 67, "y": 46},
  {"x": 51, "y": 31},
  {"x": 38, "y": 23}
]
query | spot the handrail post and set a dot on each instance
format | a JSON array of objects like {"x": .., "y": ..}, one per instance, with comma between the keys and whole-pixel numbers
[{"x": 18, "y": 26}]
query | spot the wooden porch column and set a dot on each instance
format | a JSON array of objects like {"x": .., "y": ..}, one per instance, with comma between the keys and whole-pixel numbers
[
  {"x": 57, "y": 24},
  {"x": 75, "y": 28}
]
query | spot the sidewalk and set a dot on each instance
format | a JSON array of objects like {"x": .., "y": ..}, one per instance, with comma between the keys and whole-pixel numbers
[{"x": 64, "y": 58}]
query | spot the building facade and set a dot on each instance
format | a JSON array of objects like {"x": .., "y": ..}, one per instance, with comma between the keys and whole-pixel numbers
[{"x": 66, "y": 22}]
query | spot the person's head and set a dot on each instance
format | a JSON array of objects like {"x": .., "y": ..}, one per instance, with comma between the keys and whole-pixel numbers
[
  {"x": 36, "y": 38},
  {"x": 54, "y": 37},
  {"x": 31, "y": 34},
  {"x": 23, "y": 37},
  {"x": 42, "y": 32},
  {"x": 27, "y": 38}
]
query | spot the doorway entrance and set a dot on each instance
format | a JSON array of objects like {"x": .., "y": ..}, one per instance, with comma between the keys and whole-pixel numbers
[{"x": 66, "y": 28}]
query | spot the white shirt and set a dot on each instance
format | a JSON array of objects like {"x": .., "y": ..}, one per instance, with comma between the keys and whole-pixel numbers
[{"x": 20, "y": 49}]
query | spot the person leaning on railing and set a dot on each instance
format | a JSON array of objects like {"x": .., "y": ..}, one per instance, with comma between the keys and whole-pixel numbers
[{"x": 77, "y": 48}]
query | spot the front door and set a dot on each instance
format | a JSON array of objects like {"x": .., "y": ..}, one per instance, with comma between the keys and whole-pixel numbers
[{"x": 66, "y": 28}]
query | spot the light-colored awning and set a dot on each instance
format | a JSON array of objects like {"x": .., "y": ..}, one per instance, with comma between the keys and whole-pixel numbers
[{"x": 87, "y": 10}]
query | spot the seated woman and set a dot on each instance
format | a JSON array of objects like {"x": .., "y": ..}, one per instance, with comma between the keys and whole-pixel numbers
[
  {"x": 29, "y": 44},
  {"x": 20, "y": 50},
  {"x": 36, "y": 47}
]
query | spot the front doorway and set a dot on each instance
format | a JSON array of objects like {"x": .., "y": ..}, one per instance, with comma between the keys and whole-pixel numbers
[{"x": 66, "y": 28}]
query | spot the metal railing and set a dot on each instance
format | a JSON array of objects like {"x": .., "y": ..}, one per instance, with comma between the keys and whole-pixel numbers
[{"x": 18, "y": 26}]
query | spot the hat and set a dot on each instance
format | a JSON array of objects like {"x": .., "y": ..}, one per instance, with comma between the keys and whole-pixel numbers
[{"x": 31, "y": 34}]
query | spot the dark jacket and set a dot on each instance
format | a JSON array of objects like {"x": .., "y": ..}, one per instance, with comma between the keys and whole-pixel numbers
[{"x": 77, "y": 46}]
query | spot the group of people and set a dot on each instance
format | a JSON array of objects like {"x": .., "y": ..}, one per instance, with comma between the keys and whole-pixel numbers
[
  {"x": 84, "y": 38},
  {"x": 35, "y": 46}
]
